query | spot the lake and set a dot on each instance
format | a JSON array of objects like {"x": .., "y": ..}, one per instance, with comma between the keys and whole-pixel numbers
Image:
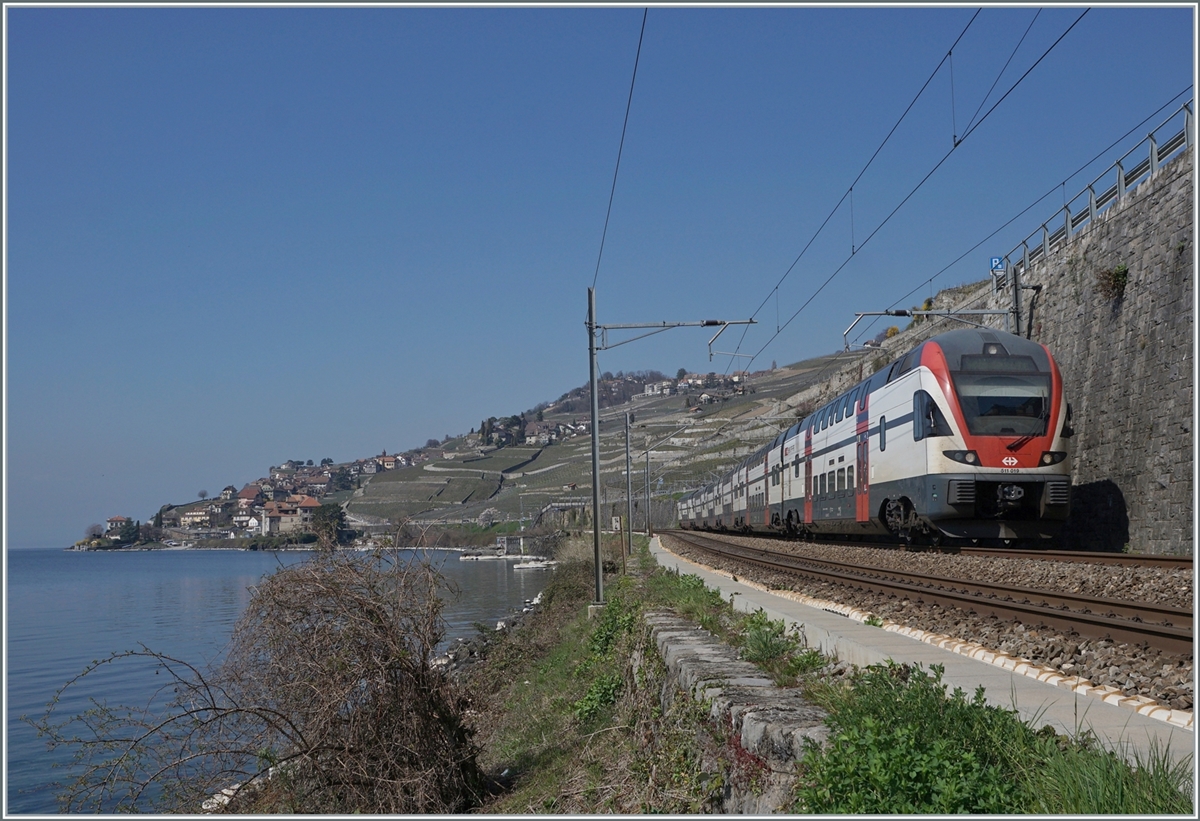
[{"x": 66, "y": 608}]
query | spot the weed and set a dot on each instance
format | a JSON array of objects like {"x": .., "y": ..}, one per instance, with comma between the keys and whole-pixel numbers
[
  {"x": 873, "y": 621},
  {"x": 1111, "y": 282},
  {"x": 601, "y": 694}
]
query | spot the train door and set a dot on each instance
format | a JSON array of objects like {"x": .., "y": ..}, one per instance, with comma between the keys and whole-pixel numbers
[
  {"x": 808, "y": 476},
  {"x": 766, "y": 520},
  {"x": 862, "y": 483}
]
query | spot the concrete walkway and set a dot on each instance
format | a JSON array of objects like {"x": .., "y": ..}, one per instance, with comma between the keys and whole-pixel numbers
[{"x": 1039, "y": 702}]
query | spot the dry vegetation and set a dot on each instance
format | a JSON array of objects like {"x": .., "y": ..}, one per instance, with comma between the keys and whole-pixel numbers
[{"x": 325, "y": 702}]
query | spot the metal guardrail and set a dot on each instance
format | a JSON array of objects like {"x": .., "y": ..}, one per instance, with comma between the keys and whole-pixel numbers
[{"x": 1075, "y": 214}]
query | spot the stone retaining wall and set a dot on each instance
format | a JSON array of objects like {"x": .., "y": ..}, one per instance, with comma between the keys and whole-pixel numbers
[
  {"x": 769, "y": 722},
  {"x": 1127, "y": 363}
]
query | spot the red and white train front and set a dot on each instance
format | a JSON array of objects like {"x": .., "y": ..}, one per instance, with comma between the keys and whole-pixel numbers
[{"x": 964, "y": 437}]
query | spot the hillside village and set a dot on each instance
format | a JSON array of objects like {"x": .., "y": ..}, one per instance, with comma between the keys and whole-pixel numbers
[{"x": 282, "y": 503}]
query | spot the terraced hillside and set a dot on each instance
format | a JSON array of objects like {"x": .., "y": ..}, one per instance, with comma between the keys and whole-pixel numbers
[{"x": 688, "y": 444}]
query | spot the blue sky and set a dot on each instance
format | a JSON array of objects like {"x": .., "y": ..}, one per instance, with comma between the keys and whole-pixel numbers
[{"x": 237, "y": 236}]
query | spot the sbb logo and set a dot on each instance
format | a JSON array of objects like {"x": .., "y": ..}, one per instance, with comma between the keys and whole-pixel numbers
[{"x": 1010, "y": 461}]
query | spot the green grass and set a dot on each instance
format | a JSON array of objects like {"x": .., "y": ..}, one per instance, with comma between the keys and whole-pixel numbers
[
  {"x": 901, "y": 744},
  {"x": 573, "y": 715}
]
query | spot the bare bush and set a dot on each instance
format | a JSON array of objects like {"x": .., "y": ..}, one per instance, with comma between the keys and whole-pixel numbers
[{"x": 326, "y": 702}]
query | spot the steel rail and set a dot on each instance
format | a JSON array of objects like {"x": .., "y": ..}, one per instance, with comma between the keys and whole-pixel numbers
[
  {"x": 1127, "y": 559},
  {"x": 1037, "y": 554},
  {"x": 1119, "y": 621}
]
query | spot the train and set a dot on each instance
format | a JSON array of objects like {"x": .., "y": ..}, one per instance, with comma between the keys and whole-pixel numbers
[{"x": 962, "y": 439}]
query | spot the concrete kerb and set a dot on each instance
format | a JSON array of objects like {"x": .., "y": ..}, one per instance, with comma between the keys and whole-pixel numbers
[{"x": 840, "y": 631}]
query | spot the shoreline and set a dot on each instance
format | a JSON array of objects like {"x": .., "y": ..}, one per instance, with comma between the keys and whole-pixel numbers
[{"x": 159, "y": 547}]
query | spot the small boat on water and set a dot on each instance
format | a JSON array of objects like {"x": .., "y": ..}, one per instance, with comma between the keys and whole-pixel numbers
[{"x": 535, "y": 564}]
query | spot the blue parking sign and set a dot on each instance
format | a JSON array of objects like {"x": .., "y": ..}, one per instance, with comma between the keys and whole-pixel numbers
[{"x": 997, "y": 264}]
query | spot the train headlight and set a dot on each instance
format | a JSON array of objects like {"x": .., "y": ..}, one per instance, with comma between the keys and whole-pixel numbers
[
  {"x": 967, "y": 457},
  {"x": 1053, "y": 457}
]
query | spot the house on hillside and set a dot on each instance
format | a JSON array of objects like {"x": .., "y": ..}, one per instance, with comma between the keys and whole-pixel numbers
[
  {"x": 293, "y": 515},
  {"x": 196, "y": 518},
  {"x": 318, "y": 485},
  {"x": 229, "y": 492},
  {"x": 248, "y": 497},
  {"x": 115, "y": 523}
]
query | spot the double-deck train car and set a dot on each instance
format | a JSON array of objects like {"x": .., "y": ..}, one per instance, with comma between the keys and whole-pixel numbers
[{"x": 965, "y": 437}]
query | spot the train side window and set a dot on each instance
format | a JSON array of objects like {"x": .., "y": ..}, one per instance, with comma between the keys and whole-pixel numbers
[
  {"x": 910, "y": 361},
  {"x": 882, "y": 433},
  {"x": 796, "y": 468},
  {"x": 928, "y": 419},
  {"x": 850, "y": 477},
  {"x": 841, "y": 407},
  {"x": 822, "y": 483},
  {"x": 841, "y": 479}
]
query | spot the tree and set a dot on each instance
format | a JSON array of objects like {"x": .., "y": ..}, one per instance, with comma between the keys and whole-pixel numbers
[
  {"x": 158, "y": 519},
  {"x": 892, "y": 331},
  {"x": 325, "y": 702},
  {"x": 309, "y": 463},
  {"x": 93, "y": 531},
  {"x": 326, "y": 461},
  {"x": 328, "y": 522},
  {"x": 129, "y": 532},
  {"x": 680, "y": 374},
  {"x": 340, "y": 480},
  {"x": 540, "y": 416},
  {"x": 203, "y": 494},
  {"x": 431, "y": 443}
]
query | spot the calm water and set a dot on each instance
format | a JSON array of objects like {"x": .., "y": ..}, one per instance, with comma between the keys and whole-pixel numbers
[{"x": 64, "y": 609}]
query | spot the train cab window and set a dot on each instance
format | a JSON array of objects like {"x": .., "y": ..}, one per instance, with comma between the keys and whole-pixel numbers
[
  {"x": 850, "y": 477},
  {"x": 882, "y": 433},
  {"x": 841, "y": 479}
]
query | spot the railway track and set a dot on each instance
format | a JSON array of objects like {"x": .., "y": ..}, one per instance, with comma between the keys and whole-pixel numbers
[
  {"x": 1090, "y": 557},
  {"x": 1127, "y": 559},
  {"x": 1165, "y": 628}
]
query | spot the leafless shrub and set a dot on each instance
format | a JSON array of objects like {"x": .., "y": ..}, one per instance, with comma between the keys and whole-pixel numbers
[{"x": 326, "y": 701}]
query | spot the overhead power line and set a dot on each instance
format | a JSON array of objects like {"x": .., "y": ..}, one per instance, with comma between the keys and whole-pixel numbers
[
  {"x": 916, "y": 188},
  {"x": 1033, "y": 204},
  {"x": 850, "y": 190},
  {"x": 620, "y": 148}
]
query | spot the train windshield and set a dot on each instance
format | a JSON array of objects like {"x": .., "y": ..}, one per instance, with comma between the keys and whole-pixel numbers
[{"x": 1003, "y": 396}]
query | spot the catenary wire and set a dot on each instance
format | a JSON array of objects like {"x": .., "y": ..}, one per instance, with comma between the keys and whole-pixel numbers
[
  {"x": 620, "y": 147},
  {"x": 1031, "y": 205},
  {"x": 850, "y": 191},
  {"x": 1004, "y": 69},
  {"x": 918, "y": 186}
]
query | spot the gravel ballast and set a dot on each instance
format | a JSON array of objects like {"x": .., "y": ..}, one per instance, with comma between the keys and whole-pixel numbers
[{"x": 1164, "y": 677}]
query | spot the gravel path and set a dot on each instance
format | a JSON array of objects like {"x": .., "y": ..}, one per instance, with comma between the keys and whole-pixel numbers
[{"x": 1164, "y": 677}]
